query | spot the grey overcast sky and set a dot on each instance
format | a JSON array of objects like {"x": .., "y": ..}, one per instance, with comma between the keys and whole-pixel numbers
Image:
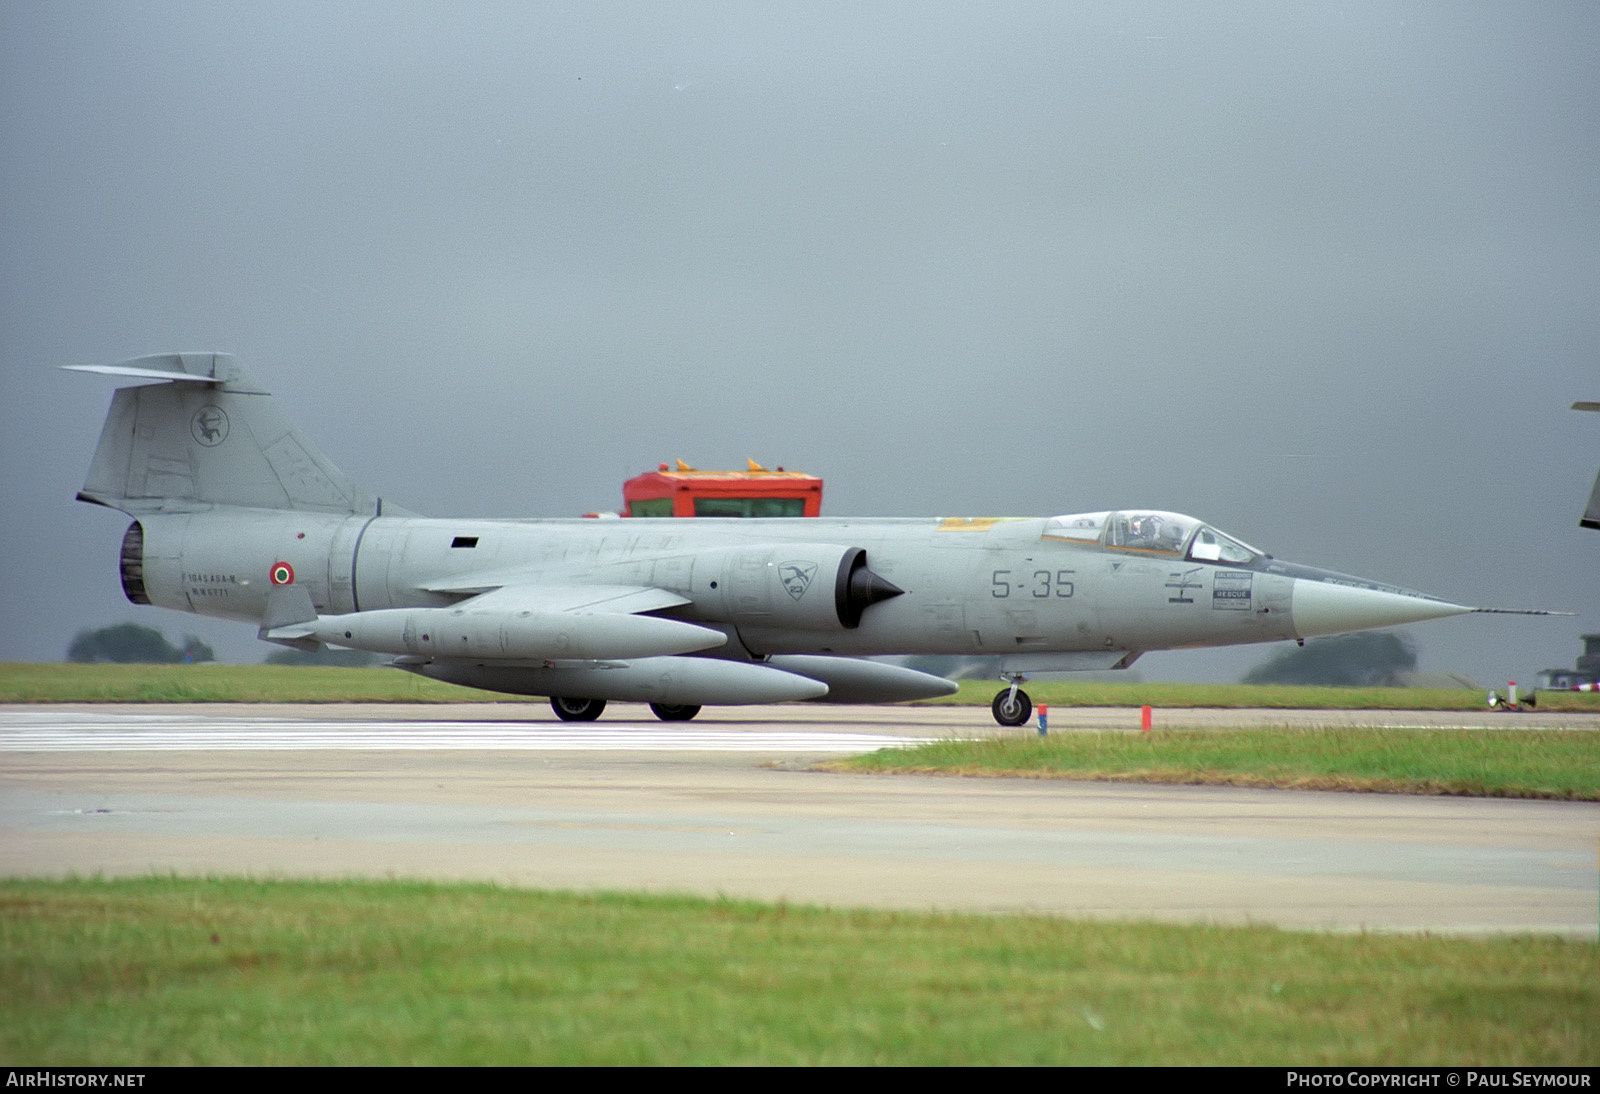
[{"x": 1324, "y": 274}]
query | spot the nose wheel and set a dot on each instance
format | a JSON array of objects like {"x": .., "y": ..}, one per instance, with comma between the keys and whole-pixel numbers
[{"x": 1012, "y": 707}]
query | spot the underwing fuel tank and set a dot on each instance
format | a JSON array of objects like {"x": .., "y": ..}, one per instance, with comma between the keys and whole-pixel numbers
[
  {"x": 447, "y": 632},
  {"x": 852, "y": 680},
  {"x": 670, "y": 680}
]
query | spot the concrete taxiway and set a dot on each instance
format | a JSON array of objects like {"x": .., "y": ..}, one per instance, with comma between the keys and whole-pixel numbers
[{"x": 724, "y": 805}]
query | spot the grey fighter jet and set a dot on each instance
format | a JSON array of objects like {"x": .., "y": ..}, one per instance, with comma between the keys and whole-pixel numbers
[{"x": 237, "y": 514}]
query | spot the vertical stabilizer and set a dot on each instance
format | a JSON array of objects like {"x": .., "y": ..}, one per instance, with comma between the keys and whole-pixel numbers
[{"x": 208, "y": 435}]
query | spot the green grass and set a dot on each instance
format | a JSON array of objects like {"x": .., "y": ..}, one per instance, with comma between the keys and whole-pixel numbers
[
  {"x": 26, "y": 682},
  {"x": 1526, "y": 763},
  {"x": 1069, "y": 693},
  {"x": 175, "y": 972}
]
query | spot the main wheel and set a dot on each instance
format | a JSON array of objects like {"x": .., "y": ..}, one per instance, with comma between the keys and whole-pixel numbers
[
  {"x": 1012, "y": 709},
  {"x": 576, "y": 710},
  {"x": 675, "y": 712}
]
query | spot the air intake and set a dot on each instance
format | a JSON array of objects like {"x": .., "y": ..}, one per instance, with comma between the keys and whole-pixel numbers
[{"x": 858, "y": 588}]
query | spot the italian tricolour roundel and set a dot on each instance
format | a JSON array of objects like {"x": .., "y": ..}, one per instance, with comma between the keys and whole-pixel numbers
[{"x": 281, "y": 574}]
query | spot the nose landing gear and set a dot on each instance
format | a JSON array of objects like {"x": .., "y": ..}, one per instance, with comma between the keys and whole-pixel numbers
[{"x": 1012, "y": 707}]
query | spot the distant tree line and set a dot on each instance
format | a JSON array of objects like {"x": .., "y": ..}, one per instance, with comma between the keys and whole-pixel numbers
[
  {"x": 1369, "y": 659},
  {"x": 130, "y": 643}
]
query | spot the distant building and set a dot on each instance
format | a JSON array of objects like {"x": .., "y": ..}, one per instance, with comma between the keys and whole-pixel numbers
[
  {"x": 688, "y": 492},
  {"x": 1586, "y": 672}
]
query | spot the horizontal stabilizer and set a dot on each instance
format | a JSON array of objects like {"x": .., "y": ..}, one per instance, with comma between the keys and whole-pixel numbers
[
  {"x": 197, "y": 368},
  {"x": 141, "y": 373}
]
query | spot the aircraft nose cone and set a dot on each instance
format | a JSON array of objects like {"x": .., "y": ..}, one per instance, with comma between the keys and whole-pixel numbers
[{"x": 1323, "y": 607}]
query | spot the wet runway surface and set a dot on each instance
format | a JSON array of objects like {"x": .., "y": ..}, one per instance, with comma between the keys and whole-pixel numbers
[{"x": 724, "y": 806}]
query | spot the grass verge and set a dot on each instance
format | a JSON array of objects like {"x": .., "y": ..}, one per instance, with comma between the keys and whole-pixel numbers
[
  {"x": 1531, "y": 763},
  {"x": 26, "y": 682},
  {"x": 1070, "y": 693},
  {"x": 30, "y": 682},
  {"x": 178, "y": 972}
]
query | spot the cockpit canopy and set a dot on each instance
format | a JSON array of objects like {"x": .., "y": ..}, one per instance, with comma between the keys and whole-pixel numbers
[{"x": 1150, "y": 532}]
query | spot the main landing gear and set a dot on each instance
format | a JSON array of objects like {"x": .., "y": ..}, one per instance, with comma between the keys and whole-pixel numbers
[
  {"x": 674, "y": 712},
  {"x": 587, "y": 710},
  {"x": 1012, "y": 707},
  {"x": 576, "y": 710}
]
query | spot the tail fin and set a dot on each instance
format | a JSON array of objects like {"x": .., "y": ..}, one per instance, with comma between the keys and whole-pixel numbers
[{"x": 211, "y": 435}]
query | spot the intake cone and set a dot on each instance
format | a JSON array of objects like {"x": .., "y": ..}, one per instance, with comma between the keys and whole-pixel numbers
[{"x": 861, "y": 589}]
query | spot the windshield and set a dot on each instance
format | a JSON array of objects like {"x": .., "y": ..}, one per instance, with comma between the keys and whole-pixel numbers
[
  {"x": 1150, "y": 531},
  {"x": 1211, "y": 545}
]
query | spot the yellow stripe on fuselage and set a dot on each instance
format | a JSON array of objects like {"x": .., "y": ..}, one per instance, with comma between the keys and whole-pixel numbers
[{"x": 970, "y": 524}]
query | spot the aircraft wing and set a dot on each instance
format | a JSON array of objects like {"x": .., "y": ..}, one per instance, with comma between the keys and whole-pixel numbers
[{"x": 623, "y": 600}]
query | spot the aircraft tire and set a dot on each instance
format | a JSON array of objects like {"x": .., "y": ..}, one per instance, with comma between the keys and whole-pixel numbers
[
  {"x": 675, "y": 712},
  {"x": 1012, "y": 712},
  {"x": 576, "y": 710}
]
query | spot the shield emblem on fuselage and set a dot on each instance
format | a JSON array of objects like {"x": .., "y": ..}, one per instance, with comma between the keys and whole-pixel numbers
[{"x": 796, "y": 577}]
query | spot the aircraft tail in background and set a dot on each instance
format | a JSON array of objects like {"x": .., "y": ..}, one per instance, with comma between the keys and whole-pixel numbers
[{"x": 1591, "y": 515}]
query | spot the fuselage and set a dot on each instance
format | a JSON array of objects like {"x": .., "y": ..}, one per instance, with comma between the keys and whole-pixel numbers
[
  {"x": 238, "y": 514},
  {"x": 1135, "y": 580}
]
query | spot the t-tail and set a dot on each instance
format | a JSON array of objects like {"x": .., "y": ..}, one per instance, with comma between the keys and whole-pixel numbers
[{"x": 211, "y": 435}]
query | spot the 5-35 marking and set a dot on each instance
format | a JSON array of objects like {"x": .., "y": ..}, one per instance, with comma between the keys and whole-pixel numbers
[{"x": 1043, "y": 584}]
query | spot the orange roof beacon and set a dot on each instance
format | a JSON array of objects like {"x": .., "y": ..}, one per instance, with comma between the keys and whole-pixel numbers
[{"x": 687, "y": 492}]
